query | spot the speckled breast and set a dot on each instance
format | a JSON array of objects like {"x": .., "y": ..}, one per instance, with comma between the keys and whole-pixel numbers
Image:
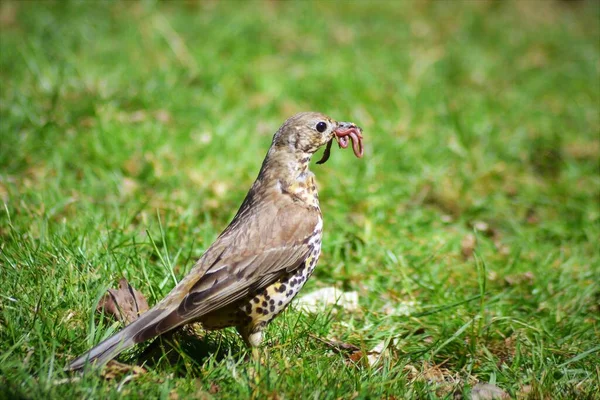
[{"x": 260, "y": 308}]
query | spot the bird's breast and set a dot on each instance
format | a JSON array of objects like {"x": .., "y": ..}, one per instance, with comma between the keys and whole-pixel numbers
[{"x": 302, "y": 190}]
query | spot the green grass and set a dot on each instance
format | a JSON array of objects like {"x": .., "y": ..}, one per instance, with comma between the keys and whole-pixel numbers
[{"x": 127, "y": 123}]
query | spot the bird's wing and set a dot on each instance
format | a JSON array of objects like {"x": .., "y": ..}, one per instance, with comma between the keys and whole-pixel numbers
[{"x": 250, "y": 254}]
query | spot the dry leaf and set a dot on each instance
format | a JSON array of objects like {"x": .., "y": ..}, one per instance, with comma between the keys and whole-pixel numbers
[
  {"x": 375, "y": 355},
  {"x": 115, "y": 369},
  {"x": 485, "y": 229},
  {"x": 320, "y": 299},
  {"x": 487, "y": 391},
  {"x": 583, "y": 150},
  {"x": 523, "y": 278},
  {"x": 8, "y": 14},
  {"x": 531, "y": 217},
  {"x": 70, "y": 380},
  {"x": 369, "y": 359},
  {"x": 214, "y": 388},
  {"x": 162, "y": 116},
  {"x": 444, "y": 381},
  {"x": 356, "y": 357},
  {"x": 467, "y": 246},
  {"x": 481, "y": 226},
  {"x": 524, "y": 392},
  {"x": 129, "y": 186},
  {"x": 125, "y": 304},
  {"x": 336, "y": 345}
]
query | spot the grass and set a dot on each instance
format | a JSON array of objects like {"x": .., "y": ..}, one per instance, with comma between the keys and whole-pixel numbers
[{"x": 130, "y": 133}]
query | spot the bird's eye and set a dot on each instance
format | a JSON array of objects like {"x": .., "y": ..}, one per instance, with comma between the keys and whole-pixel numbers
[{"x": 321, "y": 126}]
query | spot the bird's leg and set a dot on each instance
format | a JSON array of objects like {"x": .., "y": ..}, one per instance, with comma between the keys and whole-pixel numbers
[
  {"x": 252, "y": 336},
  {"x": 256, "y": 354}
]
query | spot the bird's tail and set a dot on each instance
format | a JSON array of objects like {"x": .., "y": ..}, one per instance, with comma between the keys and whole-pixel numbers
[{"x": 141, "y": 329}]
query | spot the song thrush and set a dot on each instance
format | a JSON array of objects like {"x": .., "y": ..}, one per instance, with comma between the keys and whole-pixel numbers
[{"x": 263, "y": 258}]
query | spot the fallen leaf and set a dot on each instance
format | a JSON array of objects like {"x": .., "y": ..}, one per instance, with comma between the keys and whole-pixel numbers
[
  {"x": 504, "y": 349},
  {"x": 8, "y": 14},
  {"x": 369, "y": 359},
  {"x": 413, "y": 372},
  {"x": 481, "y": 226},
  {"x": 3, "y": 193},
  {"x": 435, "y": 373},
  {"x": 320, "y": 299},
  {"x": 523, "y": 278},
  {"x": 214, "y": 388},
  {"x": 129, "y": 186},
  {"x": 531, "y": 217},
  {"x": 467, "y": 245},
  {"x": 124, "y": 304},
  {"x": 446, "y": 218},
  {"x": 162, "y": 116},
  {"x": 115, "y": 369},
  {"x": 524, "y": 392},
  {"x": 502, "y": 248},
  {"x": 337, "y": 345},
  {"x": 487, "y": 391},
  {"x": 69, "y": 380},
  {"x": 485, "y": 228},
  {"x": 356, "y": 357},
  {"x": 442, "y": 380},
  {"x": 376, "y": 353},
  {"x": 584, "y": 150}
]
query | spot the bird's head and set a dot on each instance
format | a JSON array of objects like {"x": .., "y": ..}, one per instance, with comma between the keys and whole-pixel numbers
[{"x": 306, "y": 132}]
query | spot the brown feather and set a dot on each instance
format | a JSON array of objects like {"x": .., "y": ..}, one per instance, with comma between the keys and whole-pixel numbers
[{"x": 275, "y": 230}]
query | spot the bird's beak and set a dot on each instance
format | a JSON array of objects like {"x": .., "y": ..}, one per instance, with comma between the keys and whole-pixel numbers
[
  {"x": 348, "y": 129},
  {"x": 341, "y": 134}
]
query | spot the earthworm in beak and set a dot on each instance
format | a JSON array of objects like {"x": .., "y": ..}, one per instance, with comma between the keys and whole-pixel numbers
[
  {"x": 348, "y": 130},
  {"x": 344, "y": 131}
]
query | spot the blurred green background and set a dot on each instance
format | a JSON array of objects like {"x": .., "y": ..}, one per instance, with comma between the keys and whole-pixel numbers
[{"x": 131, "y": 131}]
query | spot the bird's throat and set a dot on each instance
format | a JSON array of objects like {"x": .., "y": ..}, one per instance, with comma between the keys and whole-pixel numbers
[{"x": 289, "y": 174}]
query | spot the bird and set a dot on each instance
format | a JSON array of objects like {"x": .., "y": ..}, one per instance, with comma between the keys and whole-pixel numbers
[{"x": 264, "y": 256}]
